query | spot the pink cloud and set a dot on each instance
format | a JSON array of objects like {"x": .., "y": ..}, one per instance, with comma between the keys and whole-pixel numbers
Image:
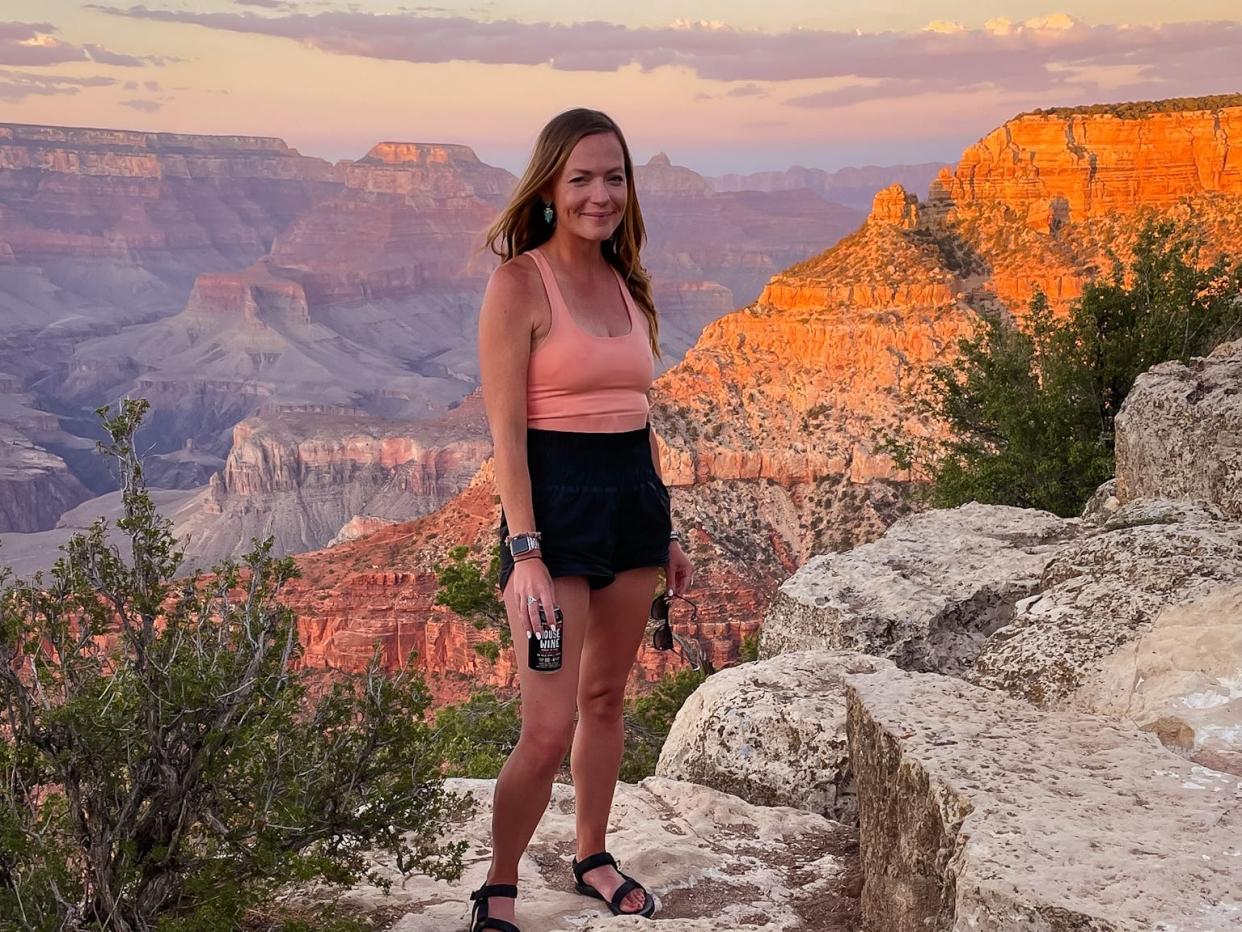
[
  {"x": 36, "y": 44},
  {"x": 18, "y": 85},
  {"x": 1045, "y": 54},
  {"x": 747, "y": 90},
  {"x": 145, "y": 106}
]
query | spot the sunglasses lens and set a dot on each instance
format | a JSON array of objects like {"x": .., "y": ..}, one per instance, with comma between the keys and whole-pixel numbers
[
  {"x": 662, "y": 638},
  {"x": 659, "y": 608}
]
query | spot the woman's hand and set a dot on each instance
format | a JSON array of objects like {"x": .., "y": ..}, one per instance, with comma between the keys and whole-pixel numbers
[
  {"x": 531, "y": 578},
  {"x": 678, "y": 572}
]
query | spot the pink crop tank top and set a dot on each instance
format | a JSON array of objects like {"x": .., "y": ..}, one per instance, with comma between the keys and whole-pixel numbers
[{"x": 578, "y": 381}]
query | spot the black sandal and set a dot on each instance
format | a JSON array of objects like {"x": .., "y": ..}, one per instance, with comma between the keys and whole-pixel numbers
[
  {"x": 599, "y": 860},
  {"x": 479, "y": 919}
]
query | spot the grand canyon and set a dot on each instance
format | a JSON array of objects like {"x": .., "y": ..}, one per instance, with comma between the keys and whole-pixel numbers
[
  {"x": 983, "y": 717},
  {"x": 304, "y": 331}
]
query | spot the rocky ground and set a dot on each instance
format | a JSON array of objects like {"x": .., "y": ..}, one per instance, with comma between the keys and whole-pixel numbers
[{"x": 702, "y": 852}]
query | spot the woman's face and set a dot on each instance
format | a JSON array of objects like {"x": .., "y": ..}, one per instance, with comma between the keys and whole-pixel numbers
[{"x": 589, "y": 195}]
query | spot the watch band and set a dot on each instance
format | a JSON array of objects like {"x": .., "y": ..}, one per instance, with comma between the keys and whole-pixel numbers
[{"x": 525, "y": 542}]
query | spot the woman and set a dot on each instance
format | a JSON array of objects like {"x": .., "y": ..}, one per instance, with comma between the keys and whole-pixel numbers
[{"x": 567, "y": 340}]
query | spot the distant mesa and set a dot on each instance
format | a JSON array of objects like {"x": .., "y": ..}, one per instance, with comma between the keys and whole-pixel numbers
[
  {"x": 83, "y": 137},
  {"x": 661, "y": 177},
  {"x": 418, "y": 153},
  {"x": 1070, "y": 165},
  {"x": 254, "y": 297}
]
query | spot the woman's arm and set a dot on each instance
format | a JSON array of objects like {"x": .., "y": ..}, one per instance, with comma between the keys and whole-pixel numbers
[{"x": 506, "y": 325}]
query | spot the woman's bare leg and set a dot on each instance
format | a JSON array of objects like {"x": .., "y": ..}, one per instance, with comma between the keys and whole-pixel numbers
[
  {"x": 525, "y": 782},
  {"x": 618, "y": 616}
]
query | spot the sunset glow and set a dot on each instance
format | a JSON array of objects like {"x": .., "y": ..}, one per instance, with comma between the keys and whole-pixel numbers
[{"x": 720, "y": 87}]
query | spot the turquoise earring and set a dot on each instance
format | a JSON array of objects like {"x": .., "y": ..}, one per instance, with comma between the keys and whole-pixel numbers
[{"x": 548, "y": 213}]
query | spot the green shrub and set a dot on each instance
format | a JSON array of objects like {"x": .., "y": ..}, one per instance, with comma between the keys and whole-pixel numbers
[
  {"x": 163, "y": 765},
  {"x": 748, "y": 650},
  {"x": 649, "y": 717},
  {"x": 1032, "y": 412},
  {"x": 478, "y": 734},
  {"x": 472, "y": 592}
]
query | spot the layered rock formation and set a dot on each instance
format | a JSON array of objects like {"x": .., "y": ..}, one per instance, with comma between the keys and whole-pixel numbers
[
  {"x": 380, "y": 590},
  {"x": 1179, "y": 432},
  {"x": 36, "y": 485},
  {"x": 709, "y": 253},
  {"x": 980, "y": 812},
  {"x": 781, "y": 403},
  {"x": 117, "y": 223},
  {"x": 1039, "y": 202},
  {"x": 1073, "y": 165},
  {"x": 248, "y": 277},
  {"x": 301, "y": 477},
  {"x": 366, "y": 301},
  {"x": 798, "y": 391}
]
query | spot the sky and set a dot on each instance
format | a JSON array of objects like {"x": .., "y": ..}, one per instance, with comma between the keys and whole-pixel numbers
[{"x": 720, "y": 86}]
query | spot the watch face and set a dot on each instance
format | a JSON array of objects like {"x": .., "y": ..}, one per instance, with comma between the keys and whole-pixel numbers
[{"x": 520, "y": 545}]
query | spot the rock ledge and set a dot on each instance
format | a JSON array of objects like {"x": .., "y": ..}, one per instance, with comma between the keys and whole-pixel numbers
[{"x": 979, "y": 812}]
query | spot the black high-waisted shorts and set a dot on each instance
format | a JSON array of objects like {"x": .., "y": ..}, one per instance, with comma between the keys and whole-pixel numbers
[{"x": 598, "y": 503}]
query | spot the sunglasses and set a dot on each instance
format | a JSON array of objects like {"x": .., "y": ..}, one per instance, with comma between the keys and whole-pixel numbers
[{"x": 662, "y": 637}]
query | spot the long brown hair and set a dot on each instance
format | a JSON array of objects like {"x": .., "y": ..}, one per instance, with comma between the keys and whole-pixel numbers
[{"x": 521, "y": 226}]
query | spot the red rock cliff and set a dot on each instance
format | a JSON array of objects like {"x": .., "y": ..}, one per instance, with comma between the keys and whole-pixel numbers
[
  {"x": 773, "y": 421},
  {"x": 1037, "y": 203},
  {"x": 380, "y": 589}
]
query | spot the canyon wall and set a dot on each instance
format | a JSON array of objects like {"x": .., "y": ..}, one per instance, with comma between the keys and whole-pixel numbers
[
  {"x": 302, "y": 476},
  {"x": 774, "y": 424},
  {"x": 116, "y": 223}
]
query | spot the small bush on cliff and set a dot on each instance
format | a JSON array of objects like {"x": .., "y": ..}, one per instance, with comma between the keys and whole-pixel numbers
[
  {"x": 1032, "y": 410},
  {"x": 649, "y": 717},
  {"x": 162, "y": 765},
  {"x": 471, "y": 592},
  {"x": 478, "y": 734},
  {"x": 1137, "y": 109}
]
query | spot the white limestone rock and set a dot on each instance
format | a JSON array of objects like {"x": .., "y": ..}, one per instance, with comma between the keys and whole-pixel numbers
[
  {"x": 771, "y": 732},
  {"x": 1102, "y": 504},
  {"x": 1103, "y": 591},
  {"x": 1182, "y": 680},
  {"x": 713, "y": 861},
  {"x": 924, "y": 595},
  {"x": 1179, "y": 432},
  {"x": 981, "y": 813}
]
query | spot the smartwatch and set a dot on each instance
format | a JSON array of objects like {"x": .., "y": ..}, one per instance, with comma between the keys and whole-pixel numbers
[{"x": 520, "y": 544}]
